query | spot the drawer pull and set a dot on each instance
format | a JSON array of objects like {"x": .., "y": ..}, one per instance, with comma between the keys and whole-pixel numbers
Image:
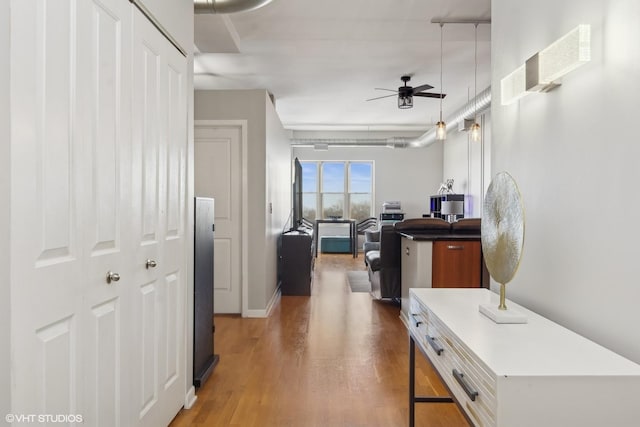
[
  {"x": 436, "y": 347},
  {"x": 416, "y": 321},
  {"x": 406, "y": 250},
  {"x": 459, "y": 376},
  {"x": 455, "y": 248}
]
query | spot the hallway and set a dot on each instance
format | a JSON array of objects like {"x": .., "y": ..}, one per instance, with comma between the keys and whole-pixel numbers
[{"x": 336, "y": 358}]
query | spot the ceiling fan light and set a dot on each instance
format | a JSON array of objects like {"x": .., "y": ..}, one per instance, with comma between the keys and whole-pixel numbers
[
  {"x": 441, "y": 131},
  {"x": 475, "y": 132},
  {"x": 405, "y": 102}
]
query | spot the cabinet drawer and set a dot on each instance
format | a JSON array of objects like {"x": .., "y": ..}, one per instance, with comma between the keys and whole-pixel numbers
[
  {"x": 470, "y": 381},
  {"x": 457, "y": 263}
]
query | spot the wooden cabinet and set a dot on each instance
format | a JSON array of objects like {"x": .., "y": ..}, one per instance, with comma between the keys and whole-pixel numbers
[
  {"x": 457, "y": 263},
  {"x": 296, "y": 259},
  {"x": 204, "y": 359}
]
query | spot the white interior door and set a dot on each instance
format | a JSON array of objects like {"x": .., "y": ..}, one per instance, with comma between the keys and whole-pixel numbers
[
  {"x": 158, "y": 184},
  {"x": 218, "y": 174}
]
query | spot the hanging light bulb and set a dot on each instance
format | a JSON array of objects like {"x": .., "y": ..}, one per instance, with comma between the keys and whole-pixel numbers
[
  {"x": 441, "y": 131},
  {"x": 441, "y": 127},
  {"x": 475, "y": 132},
  {"x": 475, "y": 127}
]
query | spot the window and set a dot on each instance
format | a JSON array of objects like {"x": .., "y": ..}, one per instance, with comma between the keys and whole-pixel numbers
[
  {"x": 360, "y": 197},
  {"x": 332, "y": 189},
  {"x": 337, "y": 189},
  {"x": 309, "y": 190}
]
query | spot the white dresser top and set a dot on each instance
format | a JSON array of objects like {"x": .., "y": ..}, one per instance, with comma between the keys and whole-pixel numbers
[{"x": 537, "y": 348}]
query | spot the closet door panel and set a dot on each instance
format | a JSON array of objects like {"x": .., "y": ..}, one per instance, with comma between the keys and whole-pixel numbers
[
  {"x": 158, "y": 177},
  {"x": 147, "y": 127},
  {"x": 46, "y": 267},
  {"x": 103, "y": 123},
  {"x": 174, "y": 221}
]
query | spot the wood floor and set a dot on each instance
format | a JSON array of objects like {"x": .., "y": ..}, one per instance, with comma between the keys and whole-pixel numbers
[{"x": 335, "y": 358}]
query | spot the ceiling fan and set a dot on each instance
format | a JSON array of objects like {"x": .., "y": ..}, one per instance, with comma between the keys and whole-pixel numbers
[{"x": 406, "y": 93}]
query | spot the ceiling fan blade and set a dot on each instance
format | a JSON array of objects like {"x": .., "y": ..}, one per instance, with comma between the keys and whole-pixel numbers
[
  {"x": 421, "y": 88},
  {"x": 390, "y": 90},
  {"x": 430, "y": 95},
  {"x": 380, "y": 97}
]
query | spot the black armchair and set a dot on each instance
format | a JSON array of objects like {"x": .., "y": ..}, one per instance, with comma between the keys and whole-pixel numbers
[
  {"x": 384, "y": 265},
  {"x": 369, "y": 229}
]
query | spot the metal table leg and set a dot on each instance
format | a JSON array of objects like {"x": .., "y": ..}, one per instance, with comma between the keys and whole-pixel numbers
[
  {"x": 412, "y": 386},
  {"x": 412, "y": 381}
]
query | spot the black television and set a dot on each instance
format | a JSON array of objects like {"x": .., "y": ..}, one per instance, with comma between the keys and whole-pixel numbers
[{"x": 297, "y": 195}]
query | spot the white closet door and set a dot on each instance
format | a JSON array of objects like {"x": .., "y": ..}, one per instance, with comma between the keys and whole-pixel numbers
[
  {"x": 103, "y": 87},
  {"x": 47, "y": 269},
  {"x": 158, "y": 183},
  {"x": 69, "y": 198},
  {"x": 88, "y": 198}
]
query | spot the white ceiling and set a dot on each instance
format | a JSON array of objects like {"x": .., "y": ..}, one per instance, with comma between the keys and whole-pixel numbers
[{"x": 321, "y": 59}]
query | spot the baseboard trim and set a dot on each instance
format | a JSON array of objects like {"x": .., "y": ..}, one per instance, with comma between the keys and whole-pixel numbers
[
  {"x": 267, "y": 311},
  {"x": 273, "y": 301},
  {"x": 190, "y": 398}
]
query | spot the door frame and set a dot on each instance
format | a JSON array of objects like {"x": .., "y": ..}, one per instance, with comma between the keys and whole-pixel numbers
[{"x": 244, "y": 263}]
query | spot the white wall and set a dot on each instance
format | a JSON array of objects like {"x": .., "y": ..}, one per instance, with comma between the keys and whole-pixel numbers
[
  {"x": 574, "y": 153},
  {"x": 409, "y": 175},
  {"x": 176, "y": 16},
  {"x": 190, "y": 210},
  {"x": 469, "y": 164},
  {"x": 278, "y": 193},
  {"x": 5, "y": 193},
  {"x": 251, "y": 105}
]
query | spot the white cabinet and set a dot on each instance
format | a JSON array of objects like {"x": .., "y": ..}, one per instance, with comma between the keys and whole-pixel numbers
[
  {"x": 94, "y": 195},
  {"x": 533, "y": 374},
  {"x": 415, "y": 268}
]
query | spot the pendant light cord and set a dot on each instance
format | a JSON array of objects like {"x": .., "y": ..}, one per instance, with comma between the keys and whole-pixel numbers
[
  {"x": 441, "y": 91},
  {"x": 475, "y": 77}
]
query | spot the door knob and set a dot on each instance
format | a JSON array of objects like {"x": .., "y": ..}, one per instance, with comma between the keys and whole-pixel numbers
[
  {"x": 151, "y": 263},
  {"x": 112, "y": 277}
]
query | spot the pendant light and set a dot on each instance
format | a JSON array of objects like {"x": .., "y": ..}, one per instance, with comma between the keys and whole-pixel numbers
[
  {"x": 441, "y": 127},
  {"x": 475, "y": 127}
]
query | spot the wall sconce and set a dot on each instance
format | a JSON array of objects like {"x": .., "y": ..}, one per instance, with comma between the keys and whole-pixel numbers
[
  {"x": 541, "y": 72},
  {"x": 514, "y": 86}
]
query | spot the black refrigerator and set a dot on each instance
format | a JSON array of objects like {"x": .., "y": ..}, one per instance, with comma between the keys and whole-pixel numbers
[{"x": 204, "y": 359}]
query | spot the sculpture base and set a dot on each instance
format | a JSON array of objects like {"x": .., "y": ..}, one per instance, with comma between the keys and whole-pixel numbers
[{"x": 502, "y": 316}]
